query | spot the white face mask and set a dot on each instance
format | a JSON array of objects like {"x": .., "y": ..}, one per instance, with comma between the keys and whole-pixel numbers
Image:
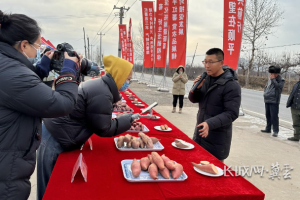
[{"x": 180, "y": 72}]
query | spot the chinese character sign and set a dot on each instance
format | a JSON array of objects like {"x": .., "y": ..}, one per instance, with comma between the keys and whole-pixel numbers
[
  {"x": 123, "y": 40},
  {"x": 161, "y": 32},
  {"x": 129, "y": 45},
  {"x": 233, "y": 30},
  {"x": 148, "y": 28},
  {"x": 177, "y": 32}
]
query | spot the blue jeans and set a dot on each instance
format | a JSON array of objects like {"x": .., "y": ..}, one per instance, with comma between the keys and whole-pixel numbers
[{"x": 47, "y": 155}]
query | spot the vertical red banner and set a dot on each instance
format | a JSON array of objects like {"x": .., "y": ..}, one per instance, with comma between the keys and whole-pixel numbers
[
  {"x": 233, "y": 31},
  {"x": 161, "y": 32},
  {"x": 148, "y": 28},
  {"x": 129, "y": 45},
  {"x": 123, "y": 40},
  {"x": 177, "y": 29}
]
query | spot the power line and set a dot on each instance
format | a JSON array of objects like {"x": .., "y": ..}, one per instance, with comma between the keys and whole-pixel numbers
[
  {"x": 287, "y": 45},
  {"x": 112, "y": 26}
]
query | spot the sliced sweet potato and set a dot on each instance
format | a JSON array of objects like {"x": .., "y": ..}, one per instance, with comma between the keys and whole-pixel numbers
[
  {"x": 120, "y": 141},
  {"x": 158, "y": 160},
  {"x": 176, "y": 173},
  {"x": 153, "y": 171},
  {"x": 181, "y": 145},
  {"x": 165, "y": 173},
  {"x": 204, "y": 162},
  {"x": 135, "y": 168},
  {"x": 154, "y": 140},
  {"x": 210, "y": 168},
  {"x": 145, "y": 162}
]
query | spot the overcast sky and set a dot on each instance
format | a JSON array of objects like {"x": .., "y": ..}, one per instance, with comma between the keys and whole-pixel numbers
[{"x": 63, "y": 20}]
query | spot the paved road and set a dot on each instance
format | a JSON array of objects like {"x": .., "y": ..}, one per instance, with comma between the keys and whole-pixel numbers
[{"x": 252, "y": 101}]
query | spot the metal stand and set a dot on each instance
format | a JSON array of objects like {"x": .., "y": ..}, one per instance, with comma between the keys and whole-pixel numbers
[
  {"x": 152, "y": 83},
  {"x": 142, "y": 78},
  {"x": 148, "y": 116},
  {"x": 163, "y": 86}
]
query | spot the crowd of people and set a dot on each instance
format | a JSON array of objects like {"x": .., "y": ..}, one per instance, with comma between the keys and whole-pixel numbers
[{"x": 38, "y": 122}]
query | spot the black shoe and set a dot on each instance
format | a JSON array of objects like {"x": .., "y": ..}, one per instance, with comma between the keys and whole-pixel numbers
[
  {"x": 265, "y": 131},
  {"x": 275, "y": 134},
  {"x": 293, "y": 139}
]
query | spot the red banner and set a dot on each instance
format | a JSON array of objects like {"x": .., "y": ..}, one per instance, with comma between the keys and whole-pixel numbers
[
  {"x": 123, "y": 40},
  {"x": 148, "y": 27},
  {"x": 161, "y": 32},
  {"x": 233, "y": 31},
  {"x": 177, "y": 42},
  {"x": 129, "y": 45}
]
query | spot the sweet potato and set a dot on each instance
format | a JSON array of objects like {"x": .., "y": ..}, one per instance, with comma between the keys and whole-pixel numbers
[
  {"x": 153, "y": 171},
  {"x": 204, "y": 162},
  {"x": 127, "y": 138},
  {"x": 120, "y": 141},
  {"x": 176, "y": 173},
  {"x": 150, "y": 158},
  {"x": 162, "y": 127},
  {"x": 154, "y": 140},
  {"x": 158, "y": 160},
  {"x": 210, "y": 168},
  {"x": 135, "y": 168},
  {"x": 165, "y": 173},
  {"x": 147, "y": 140},
  {"x": 135, "y": 143},
  {"x": 142, "y": 144},
  {"x": 145, "y": 162},
  {"x": 165, "y": 158},
  {"x": 170, "y": 164},
  {"x": 166, "y": 127},
  {"x": 181, "y": 145}
]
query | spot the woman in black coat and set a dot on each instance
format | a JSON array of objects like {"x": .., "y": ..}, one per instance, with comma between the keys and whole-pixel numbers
[{"x": 25, "y": 100}]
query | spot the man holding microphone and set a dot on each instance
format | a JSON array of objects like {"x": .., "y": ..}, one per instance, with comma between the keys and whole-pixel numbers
[{"x": 219, "y": 99}]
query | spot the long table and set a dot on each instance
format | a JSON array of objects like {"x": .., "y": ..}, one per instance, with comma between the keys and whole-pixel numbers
[{"x": 105, "y": 178}]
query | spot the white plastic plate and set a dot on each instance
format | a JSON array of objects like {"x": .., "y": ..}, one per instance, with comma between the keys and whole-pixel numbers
[
  {"x": 221, "y": 172},
  {"x": 144, "y": 176},
  {"x": 190, "y": 146},
  {"x": 159, "y": 129}
]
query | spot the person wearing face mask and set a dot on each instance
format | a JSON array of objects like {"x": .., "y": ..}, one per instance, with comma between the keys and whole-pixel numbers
[
  {"x": 180, "y": 79},
  {"x": 25, "y": 100},
  {"x": 92, "y": 114}
]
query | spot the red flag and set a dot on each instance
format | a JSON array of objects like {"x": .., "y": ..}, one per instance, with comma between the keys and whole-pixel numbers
[
  {"x": 148, "y": 27},
  {"x": 161, "y": 32},
  {"x": 177, "y": 43},
  {"x": 129, "y": 45},
  {"x": 233, "y": 31},
  {"x": 123, "y": 40}
]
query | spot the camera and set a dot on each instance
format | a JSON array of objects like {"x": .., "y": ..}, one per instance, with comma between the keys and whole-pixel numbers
[
  {"x": 58, "y": 58},
  {"x": 274, "y": 69}
]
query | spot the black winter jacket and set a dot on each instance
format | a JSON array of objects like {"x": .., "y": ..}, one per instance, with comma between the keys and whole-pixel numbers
[
  {"x": 290, "y": 100},
  {"x": 24, "y": 100},
  {"x": 92, "y": 114},
  {"x": 272, "y": 93},
  {"x": 218, "y": 106}
]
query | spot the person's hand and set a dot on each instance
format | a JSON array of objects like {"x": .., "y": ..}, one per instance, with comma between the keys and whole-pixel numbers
[
  {"x": 180, "y": 76},
  {"x": 272, "y": 76},
  {"x": 197, "y": 79},
  {"x": 49, "y": 54},
  {"x": 204, "y": 130},
  {"x": 75, "y": 59}
]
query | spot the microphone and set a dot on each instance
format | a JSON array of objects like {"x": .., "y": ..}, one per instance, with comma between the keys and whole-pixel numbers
[{"x": 198, "y": 82}]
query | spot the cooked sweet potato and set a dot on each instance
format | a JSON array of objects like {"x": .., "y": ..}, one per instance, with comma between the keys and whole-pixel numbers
[
  {"x": 165, "y": 173},
  {"x": 135, "y": 168},
  {"x": 153, "y": 171},
  {"x": 145, "y": 162},
  {"x": 158, "y": 160},
  {"x": 166, "y": 127},
  {"x": 120, "y": 141},
  {"x": 176, "y": 173},
  {"x": 204, "y": 162},
  {"x": 154, "y": 140},
  {"x": 210, "y": 168},
  {"x": 181, "y": 145},
  {"x": 170, "y": 164},
  {"x": 162, "y": 127}
]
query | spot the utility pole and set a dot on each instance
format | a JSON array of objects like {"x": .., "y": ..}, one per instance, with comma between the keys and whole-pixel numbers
[
  {"x": 84, "y": 42},
  {"x": 100, "y": 47},
  {"x": 92, "y": 52},
  {"x": 121, "y": 15},
  {"x": 88, "y": 47}
]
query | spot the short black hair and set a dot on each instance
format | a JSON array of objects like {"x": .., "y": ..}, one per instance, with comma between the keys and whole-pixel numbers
[
  {"x": 18, "y": 27},
  {"x": 216, "y": 51}
]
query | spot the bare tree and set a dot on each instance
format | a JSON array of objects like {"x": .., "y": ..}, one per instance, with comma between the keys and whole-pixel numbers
[
  {"x": 261, "y": 17},
  {"x": 138, "y": 43}
]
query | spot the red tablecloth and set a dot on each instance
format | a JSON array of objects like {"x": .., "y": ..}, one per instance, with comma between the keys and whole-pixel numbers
[{"x": 105, "y": 178}]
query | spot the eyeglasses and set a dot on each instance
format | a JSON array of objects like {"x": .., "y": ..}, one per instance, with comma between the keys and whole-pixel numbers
[{"x": 210, "y": 62}]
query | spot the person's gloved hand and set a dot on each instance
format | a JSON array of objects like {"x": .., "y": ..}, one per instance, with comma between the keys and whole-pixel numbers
[
  {"x": 71, "y": 64},
  {"x": 134, "y": 117}
]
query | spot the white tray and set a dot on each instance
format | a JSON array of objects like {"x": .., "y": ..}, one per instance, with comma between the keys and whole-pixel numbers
[
  {"x": 122, "y": 111},
  {"x": 146, "y": 129},
  {"x": 157, "y": 147},
  {"x": 144, "y": 176}
]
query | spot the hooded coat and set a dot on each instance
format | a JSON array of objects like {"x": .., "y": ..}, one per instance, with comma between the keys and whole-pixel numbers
[
  {"x": 179, "y": 83},
  {"x": 218, "y": 106},
  {"x": 94, "y": 107},
  {"x": 24, "y": 100}
]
